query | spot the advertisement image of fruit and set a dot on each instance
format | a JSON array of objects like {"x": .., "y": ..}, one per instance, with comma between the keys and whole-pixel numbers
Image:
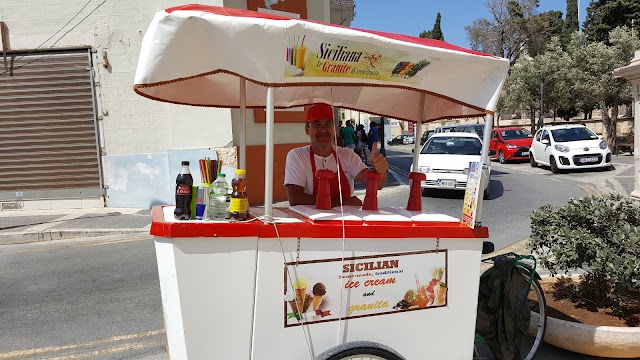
[{"x": 407, "y": 69}]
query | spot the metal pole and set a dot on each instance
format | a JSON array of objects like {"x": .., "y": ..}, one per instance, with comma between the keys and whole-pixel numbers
[
  {"x": 243, "y": 127},
  {"x": 541, "y": 121},
  {"x": 488, "y": 121},
  {"x": 579, "y": 28},
  {"x": 268, "y": 162},
  {"x": 381, "y": 136},
  {"x": 418, "y": 136}
]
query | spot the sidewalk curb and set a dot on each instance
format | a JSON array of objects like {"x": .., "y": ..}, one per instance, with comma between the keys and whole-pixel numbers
[
  {"x": 51, "y": 235},
  {"x": 615, "y": 184}
]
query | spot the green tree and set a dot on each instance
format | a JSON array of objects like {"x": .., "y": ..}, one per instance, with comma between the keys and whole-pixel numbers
[
  {"x": 522, "y": 90},
  {"x": 541, "y": 28},
  {"x": 605, "y": 15},
  {"x": 505, "y": 34},
  {"x": 546, "y": 76},
  {"x": 585, "y": 99},
  {"x": 594, "y": 65},
  {"x": 436, "y": 32},
  {"x": 555, "y": 65},
  {"x": 571, "y": 24}
]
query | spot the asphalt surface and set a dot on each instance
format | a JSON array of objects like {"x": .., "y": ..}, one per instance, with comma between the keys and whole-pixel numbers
[{"x": 20, "y": 227}]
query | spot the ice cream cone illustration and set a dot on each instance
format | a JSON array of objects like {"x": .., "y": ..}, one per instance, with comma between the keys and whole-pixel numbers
[
  {"x": 291, "y": 300},
  {"x": 300, "y": 288},
  {"x": 317, "y": 300},
  {"x": 308, "y": 299},
  {"x": 319, "y": 290}
]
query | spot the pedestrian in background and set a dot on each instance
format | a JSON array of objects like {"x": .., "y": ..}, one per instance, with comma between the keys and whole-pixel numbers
[
  {"x": 361, "y": 145},
  {"x": 349, "y": 136},
  {"x": 339, "y": 134},
  {"x": 373, "y": 135}
]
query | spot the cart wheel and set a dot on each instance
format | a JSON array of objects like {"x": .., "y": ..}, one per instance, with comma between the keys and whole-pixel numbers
[{"x": 357, "y": 350}]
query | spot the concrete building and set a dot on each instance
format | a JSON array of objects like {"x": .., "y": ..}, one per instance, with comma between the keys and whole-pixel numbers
[{"x": 73, "y": 133}]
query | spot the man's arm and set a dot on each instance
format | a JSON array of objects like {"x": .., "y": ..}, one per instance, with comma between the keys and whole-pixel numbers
[
  {"x": 362, "y": 177},
  {"x": 297, "y": 196}
]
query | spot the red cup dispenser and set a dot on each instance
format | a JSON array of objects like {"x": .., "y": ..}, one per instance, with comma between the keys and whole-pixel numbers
[
  {"x": 415, "y": 194},
  {"x": 371, "y": 196},
  {"x": 323, "y": 199}
]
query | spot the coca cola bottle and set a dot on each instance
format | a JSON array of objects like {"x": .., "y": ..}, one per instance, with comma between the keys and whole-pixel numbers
[{"x": 184, "y": 183}]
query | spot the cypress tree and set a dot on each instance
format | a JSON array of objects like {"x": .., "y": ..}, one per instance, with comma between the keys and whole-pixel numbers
[
  {"x": 605, "y": 15},
  {"x": 571, "y": 24},
  {"x": 435, "y": 33}
]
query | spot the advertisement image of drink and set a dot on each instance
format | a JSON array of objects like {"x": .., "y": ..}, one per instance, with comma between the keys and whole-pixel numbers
[
  {"x": 296, "y": 52},
  {"x": 300, "y": 52}
]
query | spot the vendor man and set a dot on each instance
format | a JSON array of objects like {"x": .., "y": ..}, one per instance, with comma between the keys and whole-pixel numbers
[{"x": 303, "y": 162}]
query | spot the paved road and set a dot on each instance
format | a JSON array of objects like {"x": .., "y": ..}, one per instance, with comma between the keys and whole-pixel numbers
[
  {"x": 516, "y": 190},
  {"x": 69, "y": 300},
  {"x": 94, "y": 300},
  {"x": 100, "y": 299}
]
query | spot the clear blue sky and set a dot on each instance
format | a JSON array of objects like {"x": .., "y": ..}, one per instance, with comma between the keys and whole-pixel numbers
[{"x": 410, "y": 17}]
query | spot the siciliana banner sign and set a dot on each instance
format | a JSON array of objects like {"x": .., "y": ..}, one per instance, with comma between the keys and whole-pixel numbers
[{"x": 322, "y": 56}]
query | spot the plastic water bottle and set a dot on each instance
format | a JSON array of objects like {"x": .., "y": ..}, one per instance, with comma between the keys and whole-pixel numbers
[{"x": 218, "y": 205}]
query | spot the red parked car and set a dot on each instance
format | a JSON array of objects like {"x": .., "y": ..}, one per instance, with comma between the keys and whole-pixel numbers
[{"x": 510, "y": 143}]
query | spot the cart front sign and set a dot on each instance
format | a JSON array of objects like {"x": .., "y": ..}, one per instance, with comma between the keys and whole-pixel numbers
[
  {"x": 333, "y": 289},
  {"x": 332, "y": 57}
]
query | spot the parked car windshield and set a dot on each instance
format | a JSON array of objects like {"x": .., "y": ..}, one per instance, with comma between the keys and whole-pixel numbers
[
  {"x": 452, "y": 145},
  {"x": 573, "y": 134},
  {"x": 446, "y": 129},
  {"x": 474, "y": 129},
  {"x": 515, "y": 134}
]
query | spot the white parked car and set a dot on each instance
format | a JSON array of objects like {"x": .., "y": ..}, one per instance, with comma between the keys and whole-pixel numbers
[
  {"x": 409, "y": 139},
  {"x": 569, "y": 147},
  {"x": 445, "y": 159}
]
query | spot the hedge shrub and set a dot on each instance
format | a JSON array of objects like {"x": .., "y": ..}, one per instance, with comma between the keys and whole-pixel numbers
[{"x": 597, "y": 234}]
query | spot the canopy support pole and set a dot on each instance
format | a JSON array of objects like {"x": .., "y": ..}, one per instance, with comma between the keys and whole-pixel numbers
[
  {"x": 243, "y": 127},
  {"x": 418, "y": 134},
  {"x": 268, "y": 162},
  {"x": 484, "y": 158}
]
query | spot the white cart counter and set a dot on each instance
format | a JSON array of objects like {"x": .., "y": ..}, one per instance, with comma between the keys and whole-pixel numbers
[{"x": 234, "y": 290}]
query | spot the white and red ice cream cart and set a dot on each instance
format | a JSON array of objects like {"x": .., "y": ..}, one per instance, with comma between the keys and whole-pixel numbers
[{"x": 297, "y": 282}]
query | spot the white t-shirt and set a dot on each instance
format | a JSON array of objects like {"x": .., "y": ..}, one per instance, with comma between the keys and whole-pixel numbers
[{"x": 298, "y": 167}]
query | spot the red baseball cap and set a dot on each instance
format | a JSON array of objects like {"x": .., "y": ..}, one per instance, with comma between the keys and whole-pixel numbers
[{"x": 319, "y": 112}]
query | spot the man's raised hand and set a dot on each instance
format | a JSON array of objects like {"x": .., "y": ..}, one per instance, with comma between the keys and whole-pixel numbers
[{"x": 378, "y": 160}]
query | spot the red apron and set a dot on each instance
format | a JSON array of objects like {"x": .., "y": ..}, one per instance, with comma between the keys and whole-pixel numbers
[{"x": 335, "y": 188}]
